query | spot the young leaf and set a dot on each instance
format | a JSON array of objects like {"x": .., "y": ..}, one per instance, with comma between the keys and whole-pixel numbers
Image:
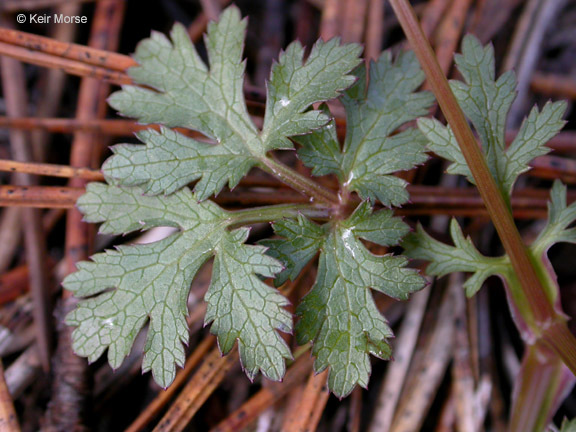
[
  {"x": 339, "y": 314},
  {"x": 462, "y": 257},
  {"x": 189, "y": 94},
  {"x": 374, "y": 112},
  {"x": 126, "y": 288},
  {"x": 560, "y": 217},
  {"x": 486, "y": 102}
]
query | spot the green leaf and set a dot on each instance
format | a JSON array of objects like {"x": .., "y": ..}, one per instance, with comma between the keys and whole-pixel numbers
[
  {"x": 530, "y": 142},
  {"x": 244, "y": 308},
  {"x": 300, "y": 244},
  {"x": 486, "y": 102},
  {"x": 441, "y": 140},
  {"x": 187, "y": 93},
  {"x": 560, "y": 217},
  {"x": 126, "y": 288},
  {"x": 147, "y": 285},
  {"x": 171, "y": 160},
  {"x": 320, "y": 150},
  {"x": 295, "y": 85},
  {"x": 339, "y": 314},
  {"x": 374, "y": 112},
  {"x": 462, "y": 257}
]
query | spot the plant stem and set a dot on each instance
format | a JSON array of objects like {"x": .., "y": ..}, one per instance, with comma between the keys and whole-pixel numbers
[
  {"x": 539, "y": 388},
  {"x": 493, "y": 199},
  {"x": 298, "y": 182},
  {"x": 277, "y": 212},
  {"x": 559, "y": 338}
]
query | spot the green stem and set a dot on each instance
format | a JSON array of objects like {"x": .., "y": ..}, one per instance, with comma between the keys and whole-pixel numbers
[
  {"x": 300, "y": 183},
  {"x": 494, "y": 201},
  {"x": 277, "y": 212}
]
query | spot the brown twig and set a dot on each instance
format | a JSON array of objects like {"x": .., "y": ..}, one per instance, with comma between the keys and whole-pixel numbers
[
  {"x": 353, "y": 17},
  {"x": 374, "y": 29},
  {"x": 39, "y": 196},
  {"x": 14, "y": 89},
  {"x": 396, "y": 373},
  {"x": 69, "y": 51},
  {"x": 463, "y": 378},
  {"x": 206, "y": 379},
  {"x": 554, "y": 85},
  {"x": 72, "y": 67},
  {"x": 266, "y": 397},
  {"x": 152, "y": 410},
  {"x": 449, "y": 31},
  {"x": 50, "y": 170},
  {"x": 10, "y": 235},
  {"x": 330, "y": 23},
  {"x": 434, "y": 10},
  {"x": 70, "y": 391},
  {"x": 306, "y": 415}
]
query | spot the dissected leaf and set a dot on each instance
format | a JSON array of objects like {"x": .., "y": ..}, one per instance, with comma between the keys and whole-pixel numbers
[
  {"x": 126, "y": 288},
  {"x": 374, "y": 112},
  {"x": 462, "y": 257},
  {"x": 339, "y": 314},
  {"x": 244, "y": 308},
  {"x": 560, "y": 217},
  {"x": 295, "y": 85},
  {"x": 486, "y": 102},
  {"x": 187, "y": 93}
]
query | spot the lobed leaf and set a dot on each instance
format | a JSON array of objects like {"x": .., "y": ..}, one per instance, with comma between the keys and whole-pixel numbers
[
  {"x": 371, "y": 151},
  {"x": 126, "y": 288},
  {"x": 339, "y": 315},
  {"x": 462, "y": 257},
  {"x": 560, "y": 217},
  {"x": 486, "y": 101},
  {"x": 295, "y": 85},
  {"x": 185, "y": 92},
  {"x": 242, "y": 307}
]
